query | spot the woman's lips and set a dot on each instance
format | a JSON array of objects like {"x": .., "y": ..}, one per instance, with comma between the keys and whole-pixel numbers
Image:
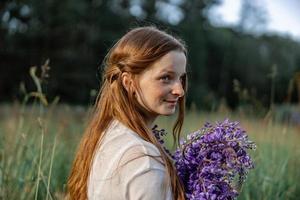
[{"x": 172, "y": 102}]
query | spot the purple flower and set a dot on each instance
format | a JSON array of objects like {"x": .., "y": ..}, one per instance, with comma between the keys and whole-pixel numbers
[{"x": 211, "y": 159}]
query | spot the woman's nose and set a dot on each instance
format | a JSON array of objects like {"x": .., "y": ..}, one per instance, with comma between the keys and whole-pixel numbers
[{"x": 178, "y": 89}]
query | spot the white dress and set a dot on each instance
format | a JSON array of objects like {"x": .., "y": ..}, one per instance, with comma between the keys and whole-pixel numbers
[{"x": 120, "y": 171}]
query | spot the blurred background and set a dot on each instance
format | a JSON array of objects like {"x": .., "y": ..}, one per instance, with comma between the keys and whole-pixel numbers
[
  {"x": 243, "y": 63},
  {"x": 232, "y": 43}
]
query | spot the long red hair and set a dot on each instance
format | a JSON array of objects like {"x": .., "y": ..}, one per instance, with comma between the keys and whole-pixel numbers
[{"x": 133, "y": 53}]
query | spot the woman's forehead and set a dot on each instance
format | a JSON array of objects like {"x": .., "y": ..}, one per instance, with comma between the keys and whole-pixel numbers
[{"x": 172, "y": 62}]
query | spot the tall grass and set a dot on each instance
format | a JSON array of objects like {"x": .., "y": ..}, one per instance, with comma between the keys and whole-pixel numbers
[{"x": 36, "y": 153}]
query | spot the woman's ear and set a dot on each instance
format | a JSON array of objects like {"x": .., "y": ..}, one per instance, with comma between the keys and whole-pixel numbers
[{"x": 127, "y": 81}]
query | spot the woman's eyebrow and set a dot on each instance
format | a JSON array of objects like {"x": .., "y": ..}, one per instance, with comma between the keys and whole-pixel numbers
[{"x": 172, "y": 72}]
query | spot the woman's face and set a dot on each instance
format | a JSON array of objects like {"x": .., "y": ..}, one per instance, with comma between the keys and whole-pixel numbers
[{"x": 161, "y": 85}]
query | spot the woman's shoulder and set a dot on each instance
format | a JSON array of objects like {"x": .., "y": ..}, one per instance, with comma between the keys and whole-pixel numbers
[
  {"x": 126, "y": 144},
  {"x": 125, "y": 162}
]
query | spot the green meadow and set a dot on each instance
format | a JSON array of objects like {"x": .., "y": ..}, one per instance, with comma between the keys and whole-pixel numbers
[{"x": 37, "y": 146}]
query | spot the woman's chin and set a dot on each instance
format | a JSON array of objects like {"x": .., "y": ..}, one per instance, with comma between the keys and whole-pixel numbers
[{"x": 168, "y": 112}]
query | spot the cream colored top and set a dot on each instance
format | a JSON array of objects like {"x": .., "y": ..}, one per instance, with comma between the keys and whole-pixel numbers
[{"x": 114, "y": 177}]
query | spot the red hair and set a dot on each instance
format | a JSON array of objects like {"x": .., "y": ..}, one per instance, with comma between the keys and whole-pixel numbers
[{"x": 133, "y": 53}]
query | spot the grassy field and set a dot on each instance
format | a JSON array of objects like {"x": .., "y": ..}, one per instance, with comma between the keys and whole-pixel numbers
[{"x": 37, "y": 147}]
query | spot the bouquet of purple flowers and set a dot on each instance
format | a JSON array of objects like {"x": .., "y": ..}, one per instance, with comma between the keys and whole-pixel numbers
[{"x": 213, "y": 162}]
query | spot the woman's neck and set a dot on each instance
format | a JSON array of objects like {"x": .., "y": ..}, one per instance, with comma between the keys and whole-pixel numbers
[{"x": 149, "y": 121}]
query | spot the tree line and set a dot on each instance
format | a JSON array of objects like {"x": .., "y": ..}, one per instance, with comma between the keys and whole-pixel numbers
[{"x": 224, "y": 64}]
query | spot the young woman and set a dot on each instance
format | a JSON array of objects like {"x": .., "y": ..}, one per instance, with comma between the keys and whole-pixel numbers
[{"x": 119, "y": 156}]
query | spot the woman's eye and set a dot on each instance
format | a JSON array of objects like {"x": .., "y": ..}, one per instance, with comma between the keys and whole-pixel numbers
[
  {"x": 182, "y": 78},
  {"x": 165, "y": 78}
]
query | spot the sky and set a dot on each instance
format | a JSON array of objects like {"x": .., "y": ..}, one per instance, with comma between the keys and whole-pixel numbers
[{"x": 283, "y": 15}]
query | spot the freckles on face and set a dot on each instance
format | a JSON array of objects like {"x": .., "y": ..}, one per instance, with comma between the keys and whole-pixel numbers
[{"x": 161, "y": 85}]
